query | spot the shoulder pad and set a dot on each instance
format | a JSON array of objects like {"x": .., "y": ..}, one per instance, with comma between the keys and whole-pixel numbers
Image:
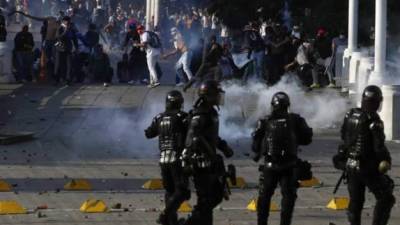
[
  {"x": 376, "y": 125},
  {"x": 195, "y": 121},
  {"x": 352, "y": 112},
  {"x": 295, "y": 116},
  {"x": 182, "y": 114},
  {"x": 159, "y": 116},
  {"x": 260, "y": 123}
]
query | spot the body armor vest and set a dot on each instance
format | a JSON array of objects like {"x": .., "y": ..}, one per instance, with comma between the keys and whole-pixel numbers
[
  {"x": 207, "y": 138},
  {"x": 280, "y": 139},
  {"x": 358, "y": 139},
  {"x": 172, "y": 137}
]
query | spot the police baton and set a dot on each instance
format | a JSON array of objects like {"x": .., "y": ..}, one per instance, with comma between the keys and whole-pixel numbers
[{"x": 339, "y": 182}]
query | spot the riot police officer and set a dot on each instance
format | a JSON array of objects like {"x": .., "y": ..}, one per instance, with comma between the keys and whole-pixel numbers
[
  {"x": 277, "y": 137},
  {"x": 200, "y": 155},
  {"x": 171, "y": 128},
  {"x": 365, "y": 159}
]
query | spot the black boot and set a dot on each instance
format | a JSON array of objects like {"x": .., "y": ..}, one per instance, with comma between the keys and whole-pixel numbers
[{"x": 163, "y": 219}]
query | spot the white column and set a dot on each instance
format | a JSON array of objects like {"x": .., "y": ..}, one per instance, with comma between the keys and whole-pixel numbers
[
  {"x": 148, "y": 13},
  {"x": 352, "y": 44},
  {"x": 380, "y": 37},
  {"x": 156, "y": 12},
  {"x": 353, "y": 26},
  {"x": 390, "y": 113}
]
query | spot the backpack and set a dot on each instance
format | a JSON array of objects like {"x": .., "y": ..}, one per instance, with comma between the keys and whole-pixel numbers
[
  {"x": 155, "y": 41},
  {"x": 280, "y": 139}
]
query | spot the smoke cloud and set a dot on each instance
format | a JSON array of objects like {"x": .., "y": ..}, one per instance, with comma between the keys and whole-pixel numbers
[
  {"x": 246, "y": 104},
  {"x": 118, "y": 132}
]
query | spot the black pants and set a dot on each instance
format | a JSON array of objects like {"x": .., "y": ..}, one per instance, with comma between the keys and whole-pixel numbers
[
  {"x": 63, "y": 66},
  {"x": 176, "y": 191},
  {"x": 382, "y": 188},
  {"x": 269, "y": 180},
  {"x": 210, "y": 192}
]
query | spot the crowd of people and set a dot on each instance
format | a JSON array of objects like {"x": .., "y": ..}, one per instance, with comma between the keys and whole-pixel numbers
[{"x": 89, "y": 36}]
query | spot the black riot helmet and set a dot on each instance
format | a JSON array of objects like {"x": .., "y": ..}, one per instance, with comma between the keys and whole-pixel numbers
[
  {"x": 280, "y": 102},
  {"x": 174, "y": 100},
  {"x": 211, "y": 92},
  {"x": 371, "y": 98}
]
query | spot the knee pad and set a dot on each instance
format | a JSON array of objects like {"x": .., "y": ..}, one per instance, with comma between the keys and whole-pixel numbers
[{"x": 389, "y": 200}]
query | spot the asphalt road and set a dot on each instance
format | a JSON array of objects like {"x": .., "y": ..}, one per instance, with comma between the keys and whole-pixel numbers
[{"x": 95, "y": 133}]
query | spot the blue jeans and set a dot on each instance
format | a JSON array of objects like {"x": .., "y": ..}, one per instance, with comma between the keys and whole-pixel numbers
[
  {"x": 182, "y": 67},
  {"x": 258, "y": 58}
]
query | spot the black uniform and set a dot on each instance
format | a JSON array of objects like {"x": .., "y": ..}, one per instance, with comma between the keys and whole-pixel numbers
[
  {"x": 201, "y": 151},
  {"x": 171, "y": 128},
  {"x": 363, "y": 150},
  {"x": 277, "y": 137},
  {"x": 365, "y": 159}
]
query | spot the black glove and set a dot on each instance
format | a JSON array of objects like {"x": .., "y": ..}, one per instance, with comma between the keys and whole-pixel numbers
[
  {"x": 228, "y": 152},
  {"x": 224, "y": 147},
  {"x": 339, "y": 162},
  {"x": 147, "y": 133},
  {"x": 256, "y": 157},
  {"x": 186, "y": 162}
]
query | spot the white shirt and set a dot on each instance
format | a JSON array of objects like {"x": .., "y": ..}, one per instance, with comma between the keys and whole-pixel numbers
[
  {"x": 150, "y": 52},
  {"x": 214, "y": 21},
  {"x": 205, "y": 21},
  {"x": 301, "y": 57},
  {"x": 262, "y": 29},
  {"x": 224, "y": 31}
]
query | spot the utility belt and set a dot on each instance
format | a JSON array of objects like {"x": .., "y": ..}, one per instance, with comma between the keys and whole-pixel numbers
[
  {"x": 279, "y": 164},
  {"x": 353, "y": 164},
  {"x": 301, "y": 168},
  {"x": 168, "y": 156},
  {"x": 201, "y": 161}
]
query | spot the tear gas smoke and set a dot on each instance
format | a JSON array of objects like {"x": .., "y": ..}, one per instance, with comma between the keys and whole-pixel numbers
[{"x": 246, "y": 104}]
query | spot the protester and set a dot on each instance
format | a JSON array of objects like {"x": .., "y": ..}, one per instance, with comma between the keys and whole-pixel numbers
[
  {"x": 151, "y": 42},
  {"x": 67, "y": 42},
  {"x": 340, "y": 41},
  {"x": 306, "y": 65},
  {"x": 209, "y": 68},
  {"x": 185, "y": 59},
  {"x": 92, "y": 37},
  {"x": 255, "y": 45},
  {"x": 24, "y": 44},
  {"x": 99, "y": 66}
]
